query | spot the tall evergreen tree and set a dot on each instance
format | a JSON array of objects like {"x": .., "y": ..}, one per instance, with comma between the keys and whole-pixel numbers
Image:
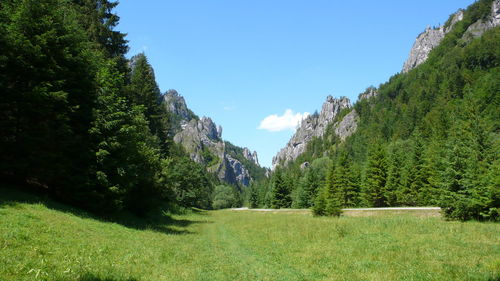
[
  {"x": 143, "y": 90},
  {"x": 280, "y": 191},
  {"x": 46, "y": 79},
  {"x": 375, "y": 177}
]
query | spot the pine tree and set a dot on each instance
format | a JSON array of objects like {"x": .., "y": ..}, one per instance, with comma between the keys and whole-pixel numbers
[
  {"x": 345, "y": 190},
  {"x": 280, "y": 192},
  {"x": 144, "y": 91},
  {"x": 46, "y": 80},
  {"x": 375, "y": 177},
  {"x": 395, "y": 188},
  {"x": 127, "y": 156}
]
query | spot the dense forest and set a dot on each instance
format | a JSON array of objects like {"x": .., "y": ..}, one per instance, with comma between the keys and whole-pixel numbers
[
  {"x": 429, "y": 138},
  {"x": 84, "y": 124}
]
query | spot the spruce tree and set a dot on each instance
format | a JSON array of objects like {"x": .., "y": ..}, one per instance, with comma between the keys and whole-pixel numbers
[
  {"x": 280, "y": 191},
  {"x": 144, "y": 91},
  {"x": 375, "y": 177}
]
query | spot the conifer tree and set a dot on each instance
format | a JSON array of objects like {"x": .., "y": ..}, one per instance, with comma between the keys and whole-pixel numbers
[
  {"x": 375, "y": 177},
  {"x": 280, "y": 191}
]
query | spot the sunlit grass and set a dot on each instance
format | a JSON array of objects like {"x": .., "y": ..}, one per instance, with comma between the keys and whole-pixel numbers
[{"x": 48, "y": 241}]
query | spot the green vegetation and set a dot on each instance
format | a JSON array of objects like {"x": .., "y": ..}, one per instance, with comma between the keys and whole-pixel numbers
[
  {"x": 43, "y": 240},
  {"x": 430, "y": 137},
  {"x": 80, "y": 121}
]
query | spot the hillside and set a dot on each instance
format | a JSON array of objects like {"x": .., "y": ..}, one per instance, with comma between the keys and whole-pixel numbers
[
  {"x": 44, "y": 240},
  {"x": 428, "y": 136},
  {"x": 202, "y": 140}
]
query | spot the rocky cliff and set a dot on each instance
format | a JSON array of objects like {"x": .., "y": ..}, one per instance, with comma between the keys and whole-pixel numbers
[
  {"x": 428, "y": 40},
  {"x": 202, "y": 140},
  {"x": 479, "y": 27},
  {"x": 431, "y": 37},
  {"x": 315, "y": 126}
]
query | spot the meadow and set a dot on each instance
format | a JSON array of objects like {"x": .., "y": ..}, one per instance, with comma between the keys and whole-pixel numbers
[{"x": 44, "y": 240}]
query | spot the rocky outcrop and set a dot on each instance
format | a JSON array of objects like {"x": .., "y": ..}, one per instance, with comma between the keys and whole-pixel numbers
[
  {"x": 479, "y": 27},
  {"x": 202, "y": 139},
  {"x": 368, "y": 93},
  {"x": 428, "y": 40},
  {"x": 176, "y": 105},
  {"x": 251, "y": 156},
  {"x": 431, "y": 37},
  {"x": 312, "y": 126},
  {"x": 347, "y": 126}
]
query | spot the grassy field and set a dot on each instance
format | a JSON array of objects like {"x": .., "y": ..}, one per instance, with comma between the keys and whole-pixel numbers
[{"x": 43, "y": 240}]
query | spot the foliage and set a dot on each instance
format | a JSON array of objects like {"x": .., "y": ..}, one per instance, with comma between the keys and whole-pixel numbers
[
  {"x": 224, "y": 196},
  {"x": 430, "y": 136}
]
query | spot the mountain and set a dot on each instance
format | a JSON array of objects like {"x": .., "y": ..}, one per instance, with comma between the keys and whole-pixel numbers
[
  {"x": 427, "y": 136},
  {"x": 202, "y": 140},
  {"x": 314, "y": 126}
]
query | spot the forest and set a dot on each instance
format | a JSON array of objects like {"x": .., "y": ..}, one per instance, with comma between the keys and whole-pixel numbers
[
  {"x": 81, "y": 122},
  {"x": 429, "y": 138},
  {"x": 86, "y": 125}
]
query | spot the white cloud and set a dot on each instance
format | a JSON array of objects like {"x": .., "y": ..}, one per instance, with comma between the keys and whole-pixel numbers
[{"x": 287, "y": 121}]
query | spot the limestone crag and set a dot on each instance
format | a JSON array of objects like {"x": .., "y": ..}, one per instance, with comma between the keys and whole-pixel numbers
[
  {"x": 176, "y": 105},
  {"x": 314, "y": 125},
  {"x": 251, "y": 156},
  {"x": 348, "y": 125},
  {"x": 428, "y": 40},
  {"x": 479, "y": 27},
  {"x": 431, "y": 37},
  {"x": 369, "y": 93},
  {"x": 202, "y": 139}
]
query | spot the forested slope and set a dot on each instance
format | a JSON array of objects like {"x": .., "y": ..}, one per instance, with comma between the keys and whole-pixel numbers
[{"x": 428, "y": 137}]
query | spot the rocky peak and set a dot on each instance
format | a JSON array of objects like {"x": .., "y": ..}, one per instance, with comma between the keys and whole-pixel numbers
[
  {"x": 313, "y": 126},
  {"x": 176, "y": 104},
  {"x": 251, "y": 156},
  {"x": 479, "y": 27},
  {"x": 431, "y": 37},
  {"x": 369, "y": 93},
  {"x": 202, "y": 139},
  {"x": 207, "y": 127},
  {"x": 428, "y": 40}
]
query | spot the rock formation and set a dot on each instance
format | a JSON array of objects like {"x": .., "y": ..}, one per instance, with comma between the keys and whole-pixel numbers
[
  {"x": 314, "y": 125},
  {"x": 368, "y": 93},
  {"x": 202, "y": 139},
  {"x": 251, "y": 156},
  {"x": 479, "y": 27},
  {"x": 431, "y": 37},
  {"x": 428, "y": 40}
]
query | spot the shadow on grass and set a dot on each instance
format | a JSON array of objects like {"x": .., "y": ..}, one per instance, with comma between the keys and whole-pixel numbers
[
  {"x": 161, "y": 222},
  {"x": 92, "y": 277}
]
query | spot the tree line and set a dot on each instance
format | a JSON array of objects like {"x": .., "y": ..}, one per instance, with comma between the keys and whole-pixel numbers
[
  {"x": 429, "y": 138},
  {"x": 80, "y": 121}
]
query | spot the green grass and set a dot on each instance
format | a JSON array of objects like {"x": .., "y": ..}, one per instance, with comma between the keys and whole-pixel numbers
[{"x": 43, "y": 240}]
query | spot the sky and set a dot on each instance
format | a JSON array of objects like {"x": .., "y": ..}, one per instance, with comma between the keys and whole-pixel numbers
[{"x": 257, "y": 67}]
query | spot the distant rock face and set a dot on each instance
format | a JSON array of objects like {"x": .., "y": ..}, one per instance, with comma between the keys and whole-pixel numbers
[
  {"x": 176, "y": 104},
  {"x": 431, "y": 37},
  {"x": 202, "y": 139},
  {"x": 347, "y": 126},
  {"x": 369, "y": 93},
  {"x": 427, "y": 41},
  {"x": 479, "y": 27},
  {"x": 312, "y": 126},
  {"x": 251, "y": 156}
]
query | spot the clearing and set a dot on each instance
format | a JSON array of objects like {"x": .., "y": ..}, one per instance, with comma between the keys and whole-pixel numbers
[{"x": 44, "y": 240}]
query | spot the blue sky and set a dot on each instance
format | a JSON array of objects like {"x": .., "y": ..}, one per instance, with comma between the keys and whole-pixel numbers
[{"x": 239, "y": 62}]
